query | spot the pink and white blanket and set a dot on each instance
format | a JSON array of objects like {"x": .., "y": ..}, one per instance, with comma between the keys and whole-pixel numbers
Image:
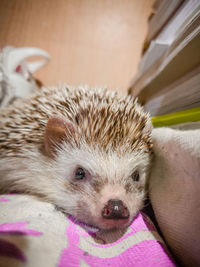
[{"x": 33, "y": 233}]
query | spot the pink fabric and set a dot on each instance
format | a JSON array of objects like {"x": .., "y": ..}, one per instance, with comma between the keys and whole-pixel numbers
[
  {"x": 3, "y": 199},
  {"x": 139, "y": 246},
  {"x": 145, "y": 253},
  {"x": 8, "y": 249},
  {"x": 17, "y": 228}
]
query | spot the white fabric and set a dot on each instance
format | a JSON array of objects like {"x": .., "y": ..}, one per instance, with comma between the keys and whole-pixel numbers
[{"x": 175, "y": 191}]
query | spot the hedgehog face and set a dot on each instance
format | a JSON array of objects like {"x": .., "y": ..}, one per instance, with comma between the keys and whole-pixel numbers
[
  {"x": 103, "y": 186},
  {"x": 107, "y": 189}
]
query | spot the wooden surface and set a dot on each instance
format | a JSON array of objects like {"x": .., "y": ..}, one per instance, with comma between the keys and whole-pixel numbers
[{"x": 95, "y": 42}]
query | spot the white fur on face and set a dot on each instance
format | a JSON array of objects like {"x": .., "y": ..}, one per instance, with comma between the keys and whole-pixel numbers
[{"x": 109, "y": 177}]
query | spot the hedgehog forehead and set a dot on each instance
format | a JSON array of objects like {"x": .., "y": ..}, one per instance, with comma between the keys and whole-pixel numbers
[
  {"x": 105, "y": 118},
  {"x": 100, "y": 163},
  {"x": 111, "y": 125}
]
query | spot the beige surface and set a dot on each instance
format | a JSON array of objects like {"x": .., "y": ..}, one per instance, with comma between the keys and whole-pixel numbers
[
  {"x": 174, "y": 191},
  {"x": 97, "y": 42}
]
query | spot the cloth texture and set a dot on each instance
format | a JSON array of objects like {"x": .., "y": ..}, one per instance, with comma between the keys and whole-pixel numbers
[
  {"x": 34, "y": 233},
  {"x": 175, "y": 191}
]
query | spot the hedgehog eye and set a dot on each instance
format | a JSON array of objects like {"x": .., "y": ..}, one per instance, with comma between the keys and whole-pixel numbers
[
  {"x": 135, "y": 176},
  {"x": 80, "y": 174}
]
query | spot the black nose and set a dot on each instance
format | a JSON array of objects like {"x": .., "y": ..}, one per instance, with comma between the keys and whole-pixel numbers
[{"x": 115, "y": 210}]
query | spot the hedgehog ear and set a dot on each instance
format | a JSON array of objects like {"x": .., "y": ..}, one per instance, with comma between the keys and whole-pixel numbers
[{"x": 57, "y": 130}]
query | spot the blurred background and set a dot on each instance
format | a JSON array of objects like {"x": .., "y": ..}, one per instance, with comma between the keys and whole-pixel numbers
[{"x": 95, "y": 42}]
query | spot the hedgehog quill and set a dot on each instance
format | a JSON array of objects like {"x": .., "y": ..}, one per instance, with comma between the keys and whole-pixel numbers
[{"x": 87, "y": 151}]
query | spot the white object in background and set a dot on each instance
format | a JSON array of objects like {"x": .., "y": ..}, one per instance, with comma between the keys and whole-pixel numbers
[
  {"x": 16, "y": 78},
  {"x": 155, "y": 51},
  {"x": 182, "y": 19}
]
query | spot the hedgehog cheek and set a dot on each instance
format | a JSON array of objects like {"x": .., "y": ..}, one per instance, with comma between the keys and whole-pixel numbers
[{"x": 57, "y": 130}]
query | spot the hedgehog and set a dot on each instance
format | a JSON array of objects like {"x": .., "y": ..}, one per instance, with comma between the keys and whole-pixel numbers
[{"x": 86, "y": 151}]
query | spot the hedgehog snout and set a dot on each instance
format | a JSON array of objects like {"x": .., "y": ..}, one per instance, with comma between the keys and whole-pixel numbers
[{"x": 115, "y": 210}]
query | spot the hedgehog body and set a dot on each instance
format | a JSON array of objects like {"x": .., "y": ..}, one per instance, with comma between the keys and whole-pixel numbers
[{"x": 86, "y": 151}]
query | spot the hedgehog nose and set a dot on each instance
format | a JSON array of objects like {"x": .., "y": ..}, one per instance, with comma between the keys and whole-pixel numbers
[{"x": 115, "y": 210}]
